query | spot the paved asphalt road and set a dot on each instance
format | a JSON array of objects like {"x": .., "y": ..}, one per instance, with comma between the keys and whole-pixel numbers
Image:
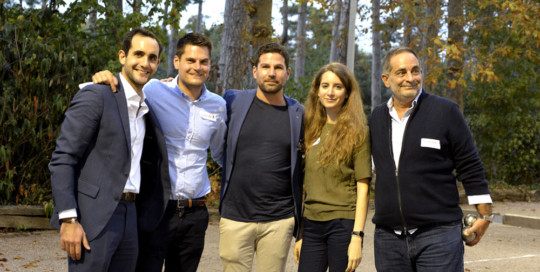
[{"x": 503, "y": 248}]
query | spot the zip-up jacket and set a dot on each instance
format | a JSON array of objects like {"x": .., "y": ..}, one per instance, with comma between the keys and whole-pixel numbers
[{"x": 423, "y": 191}]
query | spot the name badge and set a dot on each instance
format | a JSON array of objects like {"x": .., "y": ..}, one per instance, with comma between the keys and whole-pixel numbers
[
  {"x": 208, "y": 116},
  {"x": 430, "y": 143}
]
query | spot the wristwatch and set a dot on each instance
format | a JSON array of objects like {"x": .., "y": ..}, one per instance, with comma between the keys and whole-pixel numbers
[
  {"x": 358, "y": 233},
  {"x": 488, "y": 218},
  {"x": 72, "y": 220}
]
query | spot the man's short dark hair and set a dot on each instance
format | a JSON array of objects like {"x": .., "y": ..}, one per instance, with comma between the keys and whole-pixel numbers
[
  {"x": 126, "y": 44},
  {"x": 395, "y": 51},
  {"x": 196, "y": 39},
  {"x": 272, "y": 48}
]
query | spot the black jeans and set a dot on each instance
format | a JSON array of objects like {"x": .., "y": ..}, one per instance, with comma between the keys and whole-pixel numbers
[
  {"x": 325, "y": 244},
  {"x": 178, "y": 240}
]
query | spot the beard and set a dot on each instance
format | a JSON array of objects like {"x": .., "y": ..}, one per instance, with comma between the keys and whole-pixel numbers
[{"x": 270, "y": 89}]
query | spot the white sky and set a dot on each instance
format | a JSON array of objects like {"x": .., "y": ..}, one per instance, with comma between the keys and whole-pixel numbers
[{"x": 214, "y": 9}]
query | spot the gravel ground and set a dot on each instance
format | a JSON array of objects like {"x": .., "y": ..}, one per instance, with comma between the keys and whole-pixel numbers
[{"x": 31, "y": 251}]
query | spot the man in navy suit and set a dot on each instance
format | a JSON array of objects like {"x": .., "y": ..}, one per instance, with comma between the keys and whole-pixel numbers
[
  {"x": 261, "y": 183},
  {"x": 99, "y": 169}
]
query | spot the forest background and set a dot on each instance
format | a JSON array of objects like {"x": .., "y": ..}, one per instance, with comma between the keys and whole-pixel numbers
[{"x": 483, "y": 54}]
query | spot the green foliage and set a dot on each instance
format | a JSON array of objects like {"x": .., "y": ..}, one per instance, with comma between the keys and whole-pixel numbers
[
  {"x": 41, "y": 61},
  {"x": 500, "y": 56},
  {"x": 503, "y": 98},
  {"x": 298, "y": 91},
  {"x": 48, "y": 208},
  {"x": 44, "y": 55}
]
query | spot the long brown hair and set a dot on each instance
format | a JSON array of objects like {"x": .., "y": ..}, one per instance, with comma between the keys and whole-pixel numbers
[{"x": 350, "y": 130}]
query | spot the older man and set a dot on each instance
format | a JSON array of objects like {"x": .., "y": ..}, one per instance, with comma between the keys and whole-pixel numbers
[{"x": 418, "y": 140}]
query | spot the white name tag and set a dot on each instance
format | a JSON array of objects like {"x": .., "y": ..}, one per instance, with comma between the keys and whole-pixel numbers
[
  {"x": 208, "y": 116},
  {"x": 431, "y": 143},
  {"x": 316, "y": 142}
]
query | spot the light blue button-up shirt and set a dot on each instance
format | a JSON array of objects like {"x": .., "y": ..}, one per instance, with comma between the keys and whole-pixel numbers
[{"x": 190, "y": 129}]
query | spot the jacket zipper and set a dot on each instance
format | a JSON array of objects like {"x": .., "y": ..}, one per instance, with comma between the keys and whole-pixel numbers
[{"x": 400, "y": 205}]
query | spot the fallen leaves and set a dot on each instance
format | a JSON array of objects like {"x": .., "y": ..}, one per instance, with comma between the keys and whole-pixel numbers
[{"x": 31, "y": 264}]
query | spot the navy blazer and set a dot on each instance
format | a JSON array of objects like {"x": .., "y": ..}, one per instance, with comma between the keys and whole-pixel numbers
[
  {"x": 238, "y": 104},
  {"x": 92, "y": 160}
]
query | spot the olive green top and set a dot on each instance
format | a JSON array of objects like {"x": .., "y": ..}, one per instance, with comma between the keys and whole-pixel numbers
[{"x": 331, "y": 191}]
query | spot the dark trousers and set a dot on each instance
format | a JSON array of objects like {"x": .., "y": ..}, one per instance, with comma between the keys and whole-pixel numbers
[
  {"x": 116, "y": 247},
  {"x": 437, "y": 248},
  {"x": 325, "y": 244},
  {"x": 178, "y": 240}
]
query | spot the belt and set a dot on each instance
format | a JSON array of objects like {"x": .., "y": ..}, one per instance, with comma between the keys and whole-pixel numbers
[
  {"x": 128, "y": 196},
  {"x": 189, "y": 203},
  {"x": 421, "y": 228}
]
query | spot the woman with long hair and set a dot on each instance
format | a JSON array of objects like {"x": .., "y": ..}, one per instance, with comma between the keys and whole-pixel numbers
[{"x": 337, "y": 173}]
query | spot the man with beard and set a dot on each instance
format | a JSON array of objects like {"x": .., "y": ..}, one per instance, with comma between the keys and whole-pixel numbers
[{"x": 261, "y": 183}]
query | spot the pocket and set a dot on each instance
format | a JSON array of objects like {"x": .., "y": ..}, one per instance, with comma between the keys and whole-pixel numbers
[{"x": 88, "y": 189}]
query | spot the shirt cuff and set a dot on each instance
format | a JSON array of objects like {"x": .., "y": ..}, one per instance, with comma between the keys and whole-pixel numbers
[
  {"x": 82, "y": 85},
  {"x": 479, "y": 199},
  {"x": 68, "y": 214}
]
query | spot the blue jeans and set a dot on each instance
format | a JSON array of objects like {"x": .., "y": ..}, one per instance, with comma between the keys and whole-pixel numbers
[
  {"x": 325, "y": 245},
  {"x": 438, "y": 248}
]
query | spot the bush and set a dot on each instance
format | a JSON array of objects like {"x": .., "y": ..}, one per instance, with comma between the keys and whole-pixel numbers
[{"x": 44, "y": 55}]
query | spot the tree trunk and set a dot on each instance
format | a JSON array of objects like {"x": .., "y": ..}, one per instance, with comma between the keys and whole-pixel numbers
[
  {"x": 376, "y": 55},
  {"x": 136, "y": 6},
  {"x": 285, "y": 19},
  {"x": 92, "y": 20},
  {"x": 408, "y": 22},
  {"x": 335, "y": 32},
  {"x": 338, "y": 49},
  {"x": 173, "y": 39},
  {"x": 261, "y": 31},
  {"x": 165, "y": 11},
  {"x": 199, "y": 17},
  {"x": 233, "y": 59},
  {"x": 119, "y": 6},
  {"x": 351, "y": 46},
  {"x": 299, "y": 65},
  {"x": 430, "y": 58},
  {"x": 261, "y": 22},
  {"x": 454, "y": 70}
]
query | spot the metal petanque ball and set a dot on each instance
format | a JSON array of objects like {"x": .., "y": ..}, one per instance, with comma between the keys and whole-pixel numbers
[{"x": 468, "y": 221}]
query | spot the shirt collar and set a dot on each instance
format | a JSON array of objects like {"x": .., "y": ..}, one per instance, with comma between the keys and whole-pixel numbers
[
  {"x": 390, "y": 103},
  {"x": 131, "y": 94},
  {"x": 203, "y": 90}
]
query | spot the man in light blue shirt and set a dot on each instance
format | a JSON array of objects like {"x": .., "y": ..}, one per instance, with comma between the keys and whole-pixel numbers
[{"x": 192, "y": 120}]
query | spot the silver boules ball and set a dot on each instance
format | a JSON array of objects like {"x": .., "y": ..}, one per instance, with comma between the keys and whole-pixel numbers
[
  {"x": 467, "y": 238},
  {"x": 469, "y": 219}
]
